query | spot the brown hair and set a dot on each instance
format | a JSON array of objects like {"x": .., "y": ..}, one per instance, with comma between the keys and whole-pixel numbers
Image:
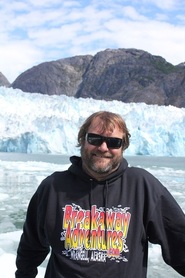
[{"x": 110, "y": 120}]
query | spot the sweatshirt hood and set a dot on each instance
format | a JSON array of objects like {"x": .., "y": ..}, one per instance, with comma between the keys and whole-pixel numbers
[{"x": 76, "y": 168}]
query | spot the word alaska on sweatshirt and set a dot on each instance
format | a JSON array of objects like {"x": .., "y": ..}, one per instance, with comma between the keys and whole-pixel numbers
[{"x": 95, "y": 235}]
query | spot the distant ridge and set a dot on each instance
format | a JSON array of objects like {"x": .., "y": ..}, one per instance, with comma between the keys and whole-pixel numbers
[
  {"x": 127, "y": 75},
  {"x": 4, "y": 81}
]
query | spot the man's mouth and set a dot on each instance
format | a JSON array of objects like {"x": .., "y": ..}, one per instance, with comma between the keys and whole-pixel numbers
[{"x": 102, "y": 156}]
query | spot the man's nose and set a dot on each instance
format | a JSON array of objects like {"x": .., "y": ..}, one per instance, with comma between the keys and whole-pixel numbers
[{"x": 103, "y": 147}]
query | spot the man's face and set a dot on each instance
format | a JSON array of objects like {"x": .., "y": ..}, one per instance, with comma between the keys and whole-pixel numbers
[{"x": 100, "y": 161}]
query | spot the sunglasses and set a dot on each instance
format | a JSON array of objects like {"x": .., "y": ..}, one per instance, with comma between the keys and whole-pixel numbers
[{"x": 97, "y": 140}]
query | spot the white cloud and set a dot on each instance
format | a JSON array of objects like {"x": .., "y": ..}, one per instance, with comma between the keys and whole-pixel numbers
[
  {"x": 132, "y": 13},
  {"x": 35, "y": 31},
  {"x": 16, "y": 57},
  {"x": 163, "y": 4},
  {"x": 158, "y": 38}
]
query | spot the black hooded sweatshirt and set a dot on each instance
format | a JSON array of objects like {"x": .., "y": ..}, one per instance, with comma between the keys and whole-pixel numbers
[{"x": 100, "y": 228}]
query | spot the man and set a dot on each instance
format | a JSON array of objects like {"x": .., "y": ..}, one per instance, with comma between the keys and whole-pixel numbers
[{"x": 99, "y": 215}]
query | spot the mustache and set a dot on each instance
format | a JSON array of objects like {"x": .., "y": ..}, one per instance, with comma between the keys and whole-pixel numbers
[{"x": 102, "y": 154}]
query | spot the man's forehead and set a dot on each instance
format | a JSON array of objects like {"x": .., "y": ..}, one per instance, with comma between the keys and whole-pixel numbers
[
  {"x": 97, "y": 123},
  {"x": 100, "y": 125}
]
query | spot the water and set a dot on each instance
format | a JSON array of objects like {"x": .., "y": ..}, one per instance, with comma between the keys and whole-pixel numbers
[{"x": 20, "y": 175}]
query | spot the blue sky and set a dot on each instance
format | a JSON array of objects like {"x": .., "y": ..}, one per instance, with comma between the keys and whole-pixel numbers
[{"x": 36, "y": 31}]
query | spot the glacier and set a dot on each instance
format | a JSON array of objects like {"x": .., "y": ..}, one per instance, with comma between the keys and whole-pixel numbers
[{"x": 36, "y": 123}]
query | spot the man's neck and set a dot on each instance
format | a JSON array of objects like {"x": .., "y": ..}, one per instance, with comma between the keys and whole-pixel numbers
[{"x": 96, "y": 175}]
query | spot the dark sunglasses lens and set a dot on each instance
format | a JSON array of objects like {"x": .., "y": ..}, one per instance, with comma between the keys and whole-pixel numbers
[
  {"x": 114, "y": 143},
  {"x": 94, "y": 139}
]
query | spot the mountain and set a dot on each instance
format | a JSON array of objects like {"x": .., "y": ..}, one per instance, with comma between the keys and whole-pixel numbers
[
  {"x": 4, "y": 81},
  {"x": 128, "y": 75}
]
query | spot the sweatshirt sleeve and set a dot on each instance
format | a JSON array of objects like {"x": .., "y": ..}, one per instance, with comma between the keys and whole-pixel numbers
[
  {"x": 167, "y": 228},
  {"x": 33, "y": 247}
]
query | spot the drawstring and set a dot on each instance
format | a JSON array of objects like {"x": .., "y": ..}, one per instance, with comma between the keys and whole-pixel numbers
[
  {"x": 105, "y": 193},
  {"x": 105, "y": 196},
  {"x": 90, "y": 203}
]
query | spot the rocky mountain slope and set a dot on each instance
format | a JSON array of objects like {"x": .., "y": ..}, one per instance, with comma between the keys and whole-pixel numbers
[
  {"x": 54, "y": 78},
  {"x": 4, "y": 81},
  {"x": 128, "y": 75}
]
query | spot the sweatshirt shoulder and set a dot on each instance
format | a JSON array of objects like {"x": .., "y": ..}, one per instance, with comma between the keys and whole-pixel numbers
[
  {"x": 58, "y": 175},
  {"x": 138, "y": 172},
  {"x": 142, "y": 176},
  {"x": 55, "y": 178}
]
